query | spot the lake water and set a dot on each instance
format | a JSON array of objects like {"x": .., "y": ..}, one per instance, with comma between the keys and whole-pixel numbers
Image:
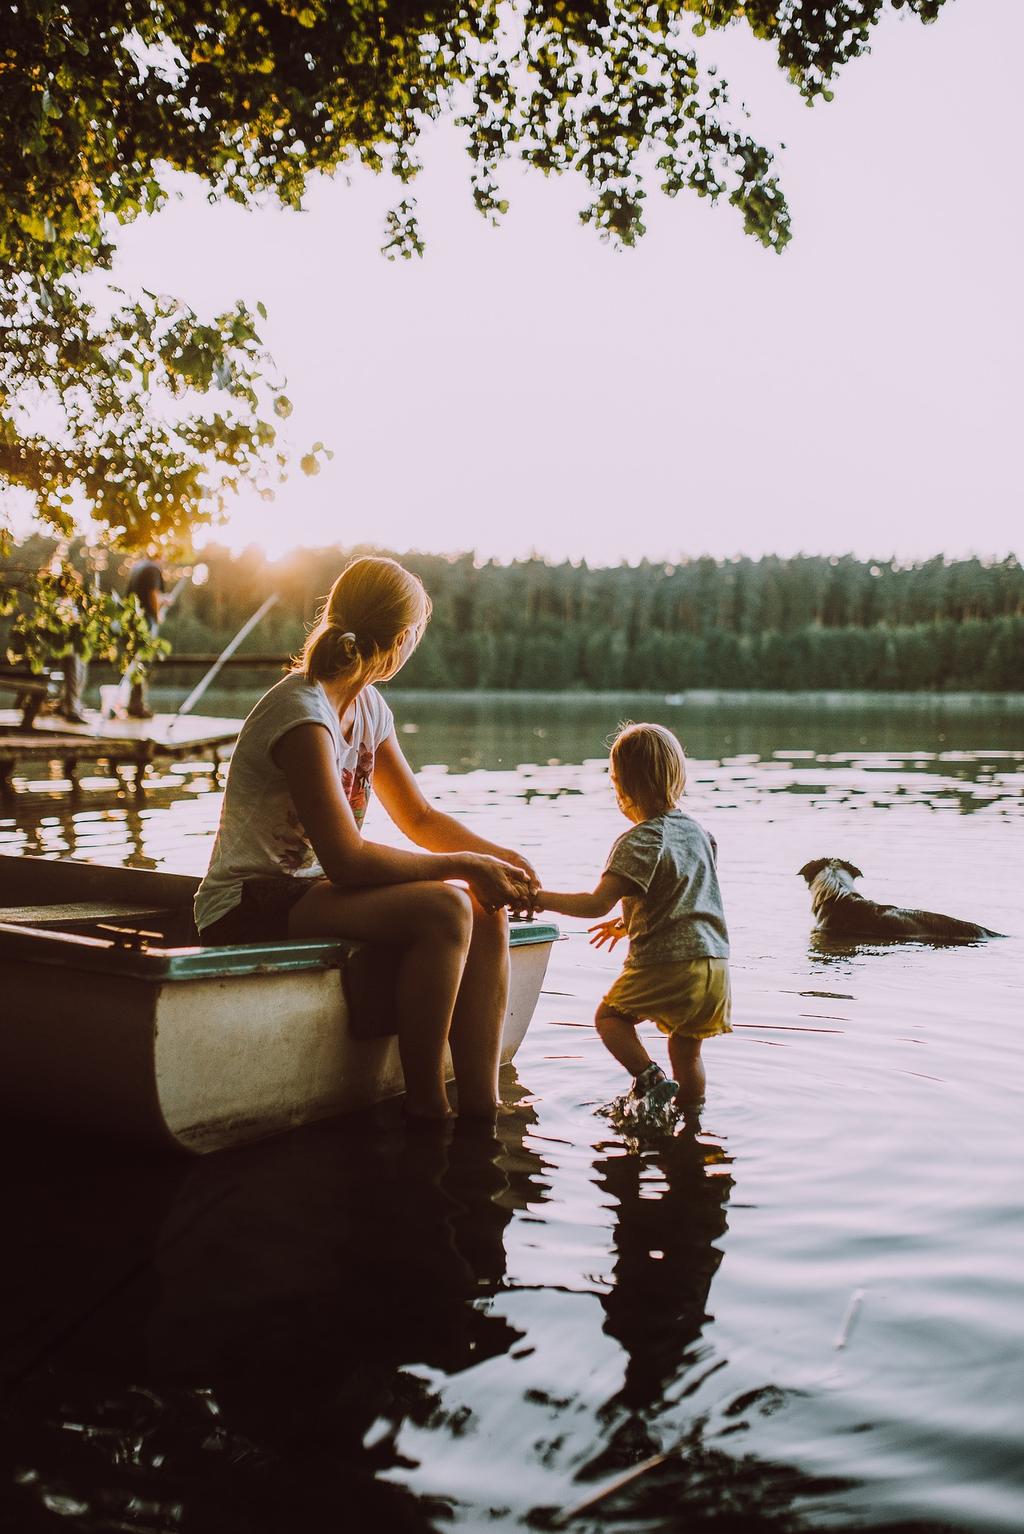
[{"x": 812, "y": 1303}]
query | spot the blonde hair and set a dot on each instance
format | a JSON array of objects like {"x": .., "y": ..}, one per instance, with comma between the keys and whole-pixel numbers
[
  {"x": 359, "y": 630},
  {"x": 648, "y": 767}
]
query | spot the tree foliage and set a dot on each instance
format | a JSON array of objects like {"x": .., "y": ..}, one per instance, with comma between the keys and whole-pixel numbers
[
  {"x": 152, "y": 414},
  {"x": 58, "y": 612}
]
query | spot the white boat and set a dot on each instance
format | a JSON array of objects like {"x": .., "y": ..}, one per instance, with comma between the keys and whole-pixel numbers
[{"x": 113, "y": 1022}]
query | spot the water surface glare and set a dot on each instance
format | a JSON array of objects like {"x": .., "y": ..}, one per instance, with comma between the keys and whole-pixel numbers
[{"x": 810, "y": 1302}]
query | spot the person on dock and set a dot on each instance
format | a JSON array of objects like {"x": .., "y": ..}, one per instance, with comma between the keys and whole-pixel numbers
[
  {"x": 663, "y": 871},
  {"x": 290, "y": 860},
  {"x": 146, "y": 585}
]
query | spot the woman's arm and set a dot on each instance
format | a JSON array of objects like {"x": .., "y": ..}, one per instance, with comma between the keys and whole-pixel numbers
[
  {"x": 306, "y": 757},
  {"x": 598, "y": 902},
  {"x": 397, "y": 789}
]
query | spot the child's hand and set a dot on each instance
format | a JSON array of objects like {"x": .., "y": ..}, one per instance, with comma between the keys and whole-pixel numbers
[{"x": 607, "y": 932}]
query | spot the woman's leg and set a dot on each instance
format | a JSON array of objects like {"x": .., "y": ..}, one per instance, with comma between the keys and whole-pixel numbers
[
  {"x": 687, "y": 1068},
  {"x": 433, "y": 923},
  {"x": 475, "y": 1037}
]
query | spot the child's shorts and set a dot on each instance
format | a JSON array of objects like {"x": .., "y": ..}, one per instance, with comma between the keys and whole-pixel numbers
[{"x": 691, "y": 997}]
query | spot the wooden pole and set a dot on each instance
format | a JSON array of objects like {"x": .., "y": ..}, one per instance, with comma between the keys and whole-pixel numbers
[{"x": 225, "y": 655}]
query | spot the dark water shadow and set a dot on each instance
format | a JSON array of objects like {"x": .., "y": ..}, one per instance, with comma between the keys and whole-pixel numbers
[
  {"x": 234, "y": 1345},
  {"x": 205, "y": 1345}
]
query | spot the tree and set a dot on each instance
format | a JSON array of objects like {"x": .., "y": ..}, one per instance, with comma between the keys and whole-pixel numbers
[{"x": 154, "y": 415}]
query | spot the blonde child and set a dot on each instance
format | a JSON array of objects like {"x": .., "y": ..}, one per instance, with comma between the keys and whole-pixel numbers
[{"x": 663, "y": 870}]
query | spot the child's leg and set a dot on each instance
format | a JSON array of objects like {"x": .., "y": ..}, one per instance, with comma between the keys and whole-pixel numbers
[
  {"x": 687, "y": 1067},
  {"x": 619, "y": 1036}
]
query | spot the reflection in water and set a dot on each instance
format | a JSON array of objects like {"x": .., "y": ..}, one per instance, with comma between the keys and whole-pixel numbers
[
  {"x": 214, "y": 1341},
  {"x": 669, "y": 1209},
  {"x": 171, "y": 828},
  {"x": 669, "y": 1194}
]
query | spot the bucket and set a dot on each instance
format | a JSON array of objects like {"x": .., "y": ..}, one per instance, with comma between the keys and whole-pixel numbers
[{"x": 109, "y": 705}]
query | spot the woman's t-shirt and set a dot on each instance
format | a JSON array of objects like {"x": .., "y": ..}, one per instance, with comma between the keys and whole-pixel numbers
[
  {"x": 679, "y": 915},
  {"x": 259, "y": 833}
]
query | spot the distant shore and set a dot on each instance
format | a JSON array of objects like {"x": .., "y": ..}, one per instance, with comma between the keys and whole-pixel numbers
[
  {"x": 708, "y": 697},
  {"x": 697, "y": 697}
]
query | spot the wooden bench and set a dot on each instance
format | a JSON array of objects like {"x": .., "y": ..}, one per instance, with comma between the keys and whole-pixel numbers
[
  {"x": 32, "y": 690},
  {"x": 80, "y": 913}
]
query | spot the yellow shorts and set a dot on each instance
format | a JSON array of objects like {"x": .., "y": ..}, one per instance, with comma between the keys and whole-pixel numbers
[{"x": 691, "y": 997}]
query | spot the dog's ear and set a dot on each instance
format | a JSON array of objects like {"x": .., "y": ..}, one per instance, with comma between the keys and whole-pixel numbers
[
  {"x": 854, "y": 873},
  {"x": 810, "y": 871}
]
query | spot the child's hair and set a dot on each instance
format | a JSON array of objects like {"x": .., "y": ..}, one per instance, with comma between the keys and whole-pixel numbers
[
  {"x": 648, "y": 767},
  {"x": 359, "y": 630}
]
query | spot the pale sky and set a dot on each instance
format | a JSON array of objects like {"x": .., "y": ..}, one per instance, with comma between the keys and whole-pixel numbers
[{"x": 530, "y": 389}]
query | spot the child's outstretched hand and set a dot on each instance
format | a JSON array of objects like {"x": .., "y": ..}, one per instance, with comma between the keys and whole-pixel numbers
[{"x": 607, "y": 932}]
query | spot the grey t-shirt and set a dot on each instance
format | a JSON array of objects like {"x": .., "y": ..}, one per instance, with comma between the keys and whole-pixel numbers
[
  {"x": 259, "y": 831},
  {"x": 679, "y": 915}
]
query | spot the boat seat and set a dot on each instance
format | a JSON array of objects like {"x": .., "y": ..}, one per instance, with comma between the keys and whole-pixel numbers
[{"x": 78, "y": 913}]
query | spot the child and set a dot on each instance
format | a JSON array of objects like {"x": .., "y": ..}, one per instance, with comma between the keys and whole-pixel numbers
[{"x": 663, "y": 871}]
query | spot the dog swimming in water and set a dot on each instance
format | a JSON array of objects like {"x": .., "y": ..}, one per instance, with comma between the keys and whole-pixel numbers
[{"x": 840, "y": 911}]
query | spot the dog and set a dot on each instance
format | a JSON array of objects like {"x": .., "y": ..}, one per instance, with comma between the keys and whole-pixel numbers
[{"x": 840, "y": 911}]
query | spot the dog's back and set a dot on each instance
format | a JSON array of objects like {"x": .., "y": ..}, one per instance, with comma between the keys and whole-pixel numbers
[{"x": 841, "y": 911}]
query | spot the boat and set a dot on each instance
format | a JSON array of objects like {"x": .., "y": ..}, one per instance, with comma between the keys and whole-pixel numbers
[{"x": 116, "y": 1021}]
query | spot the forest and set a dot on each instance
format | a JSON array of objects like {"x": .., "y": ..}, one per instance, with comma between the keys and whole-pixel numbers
[{"x": 807, "y": 622}]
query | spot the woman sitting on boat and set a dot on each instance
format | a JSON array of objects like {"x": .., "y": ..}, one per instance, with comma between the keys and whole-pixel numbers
[{"x": 290, "y": 860}]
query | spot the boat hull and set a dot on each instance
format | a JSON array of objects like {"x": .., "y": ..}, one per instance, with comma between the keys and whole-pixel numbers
[{"x": 200, "y": 1048}]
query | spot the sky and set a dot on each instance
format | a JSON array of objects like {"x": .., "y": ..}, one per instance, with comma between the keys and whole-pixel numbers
[{"x": 529, "y": 389}]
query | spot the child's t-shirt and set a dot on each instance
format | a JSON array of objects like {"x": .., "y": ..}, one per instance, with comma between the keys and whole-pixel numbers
[
  {"x": 259, "y": 833},
  {"x": 679, "y": 915}
]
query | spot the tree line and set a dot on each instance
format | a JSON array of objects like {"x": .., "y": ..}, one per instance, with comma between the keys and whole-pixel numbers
[{"x": 808, "y": 622}]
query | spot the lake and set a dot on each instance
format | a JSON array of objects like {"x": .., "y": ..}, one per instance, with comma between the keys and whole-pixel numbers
[{"x": 810, "y": 1304}]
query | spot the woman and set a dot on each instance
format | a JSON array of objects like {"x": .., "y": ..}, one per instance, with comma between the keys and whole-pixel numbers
[{"x": 290, "y": 860}]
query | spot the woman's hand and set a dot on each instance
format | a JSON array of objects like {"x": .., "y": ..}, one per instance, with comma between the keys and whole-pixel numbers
[
  {"x": 508, "y": 855},
  {"x": 609, "y": 932},
  {"x": 496, "y": 883},
  {"x": 522, "y": 909}
]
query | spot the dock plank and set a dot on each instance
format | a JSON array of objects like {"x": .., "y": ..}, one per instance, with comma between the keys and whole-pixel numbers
[
  {"x": 164, "y": 731},
  {"x": 128, "y": 743}
]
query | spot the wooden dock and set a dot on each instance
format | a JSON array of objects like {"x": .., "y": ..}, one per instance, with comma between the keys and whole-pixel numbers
[{"x": 131, "y": 745}]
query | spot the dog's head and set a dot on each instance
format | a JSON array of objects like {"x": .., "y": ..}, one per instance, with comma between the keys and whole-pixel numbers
[{"x": 810, "y": 871}]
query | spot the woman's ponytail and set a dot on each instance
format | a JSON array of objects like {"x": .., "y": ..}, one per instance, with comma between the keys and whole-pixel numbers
[
  {"x": 359, "y": 630},
  {"x": 329, "y": 651}
]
